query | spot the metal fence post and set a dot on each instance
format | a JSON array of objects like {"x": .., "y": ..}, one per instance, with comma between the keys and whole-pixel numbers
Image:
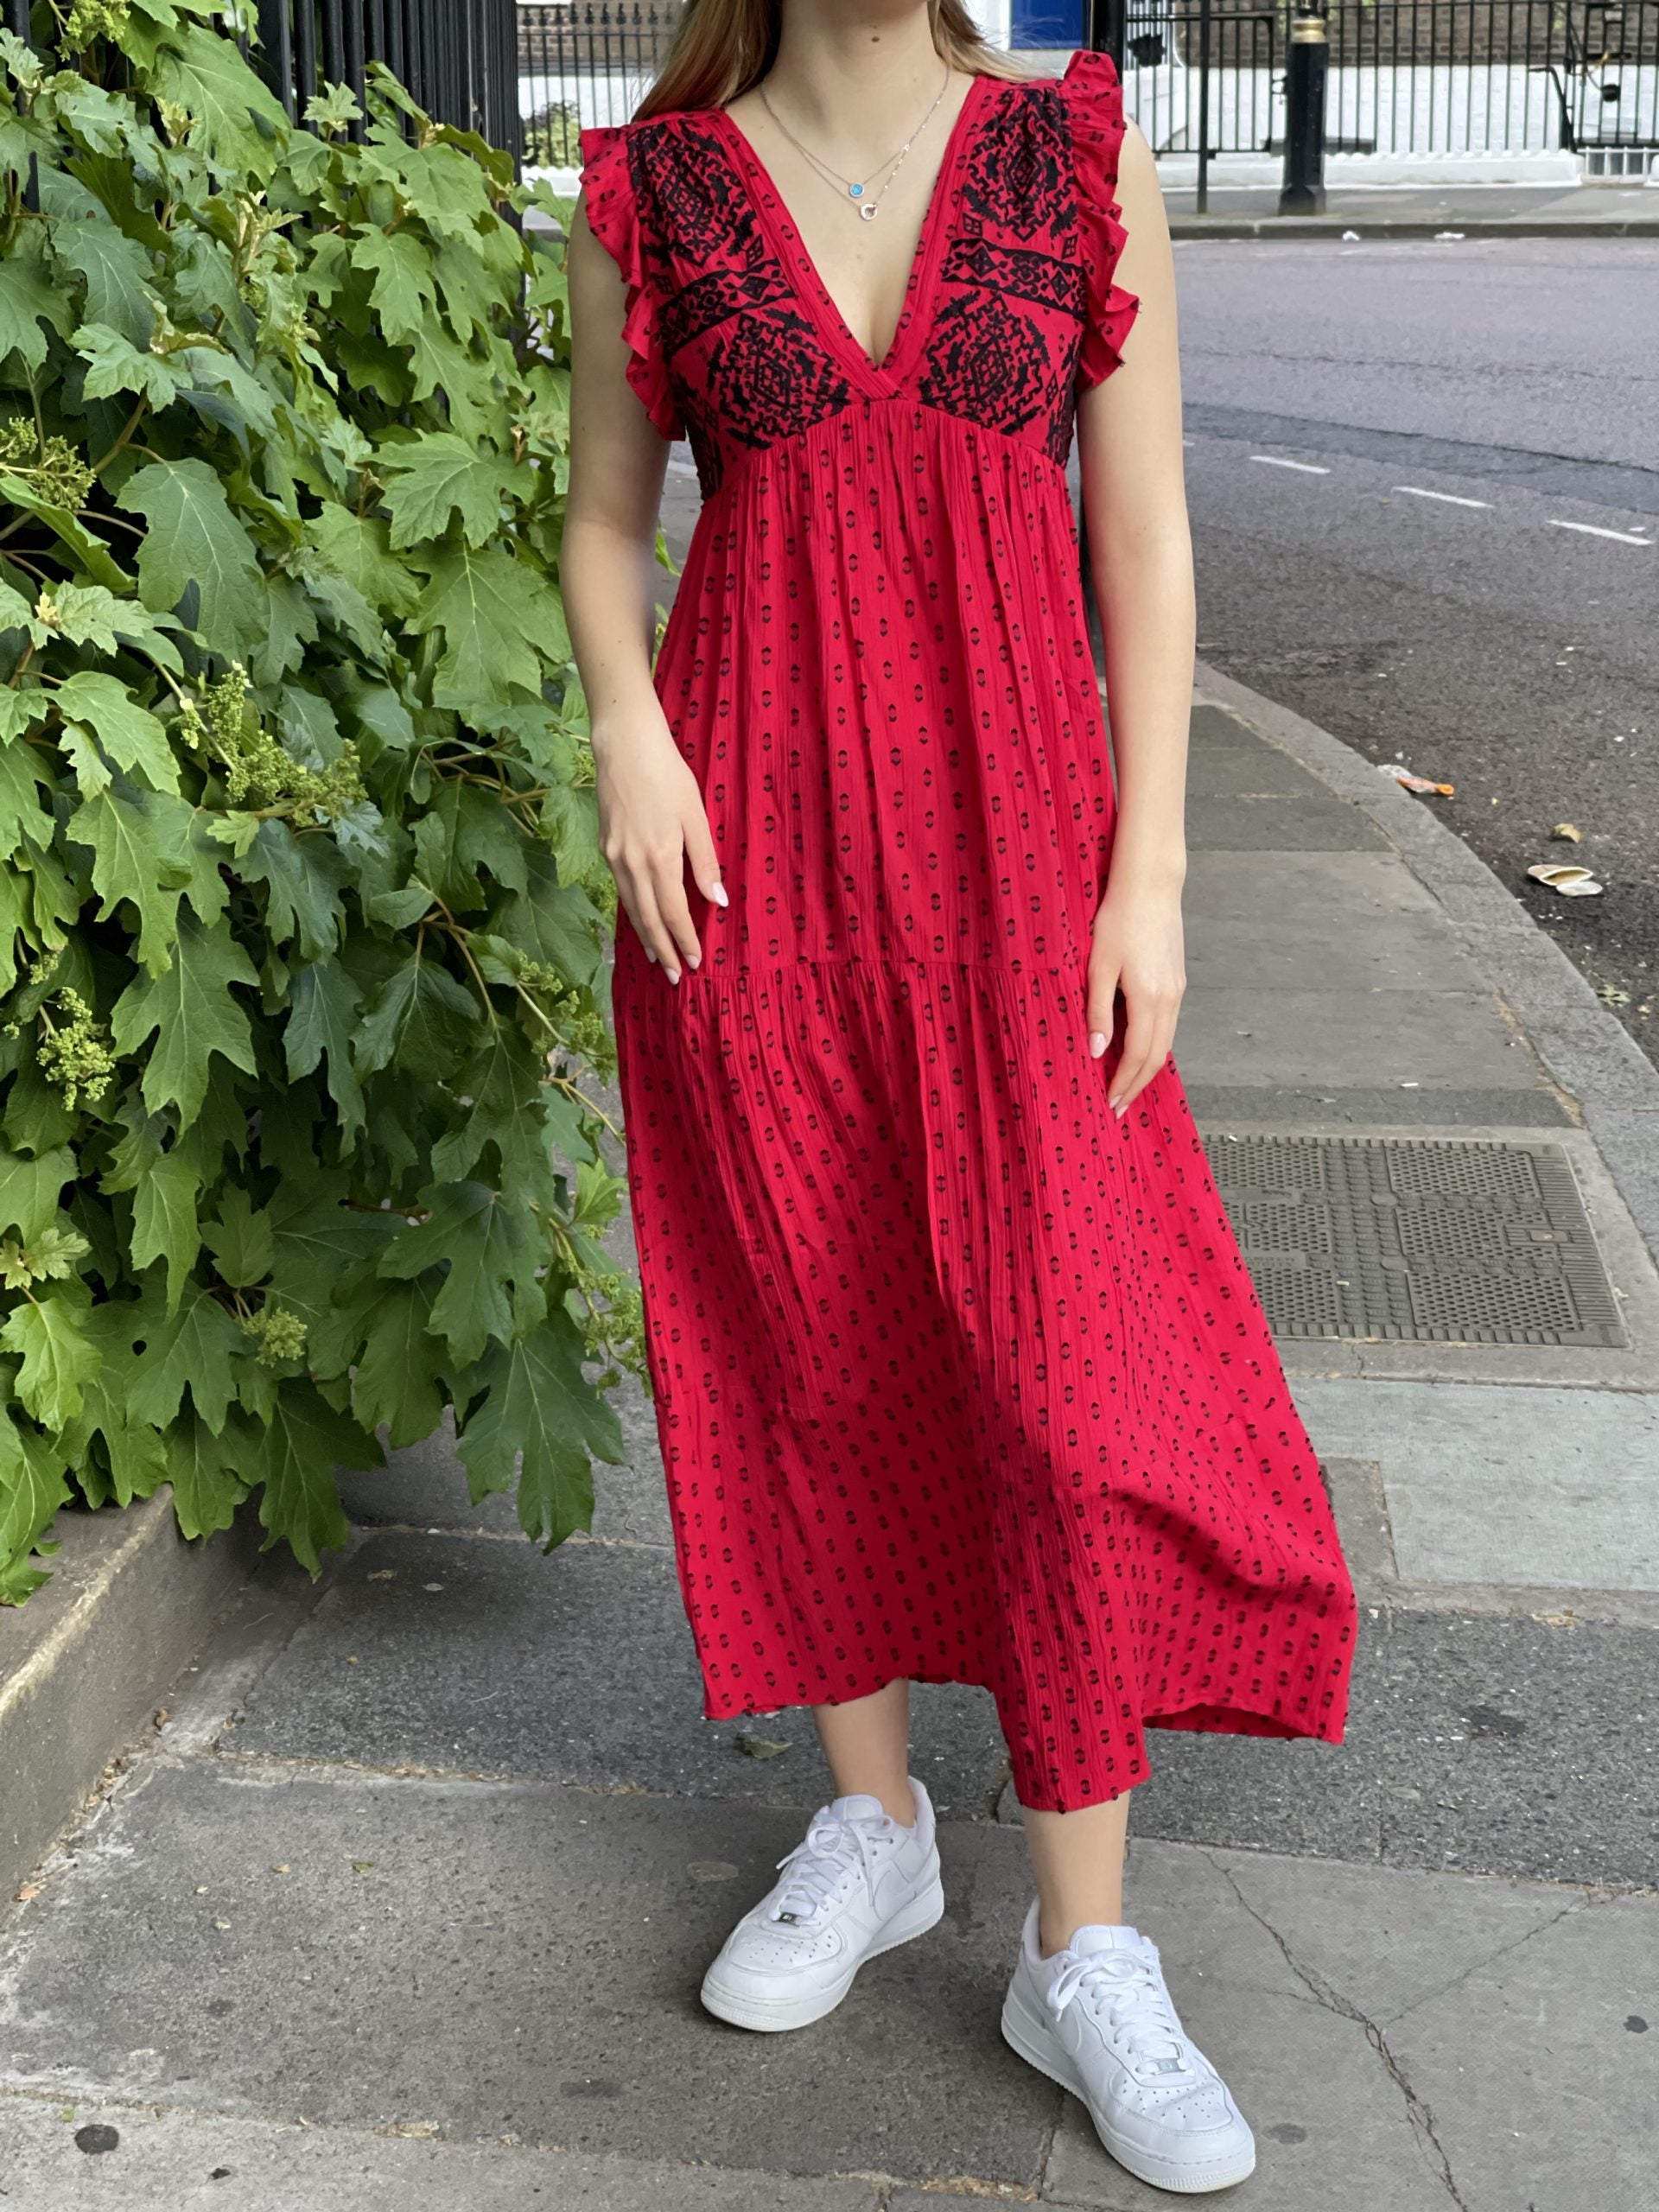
[
  {"x": 1107, "y": 21},
  {"x": 1201, "y": 204},
  {"x": 1306, "y": 64}
]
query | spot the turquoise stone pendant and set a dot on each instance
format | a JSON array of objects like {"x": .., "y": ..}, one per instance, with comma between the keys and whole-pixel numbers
[{"x": 856, "y": 190}]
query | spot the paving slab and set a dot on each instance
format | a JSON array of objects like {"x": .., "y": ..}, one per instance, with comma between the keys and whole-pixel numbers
[
  {"x": 448, "y": 1980},
  {"x": 160, "y": 2161},
  {"x": 1219, "y": 1106},
  {"x": 1494, "y": 1746},
  {"x": 1502, "y": 1484},
  {"x": 1225, "y": 822},
  {"x": 490, "y": 1959},
  {"x": 1267, "y": 1036},
  {"x": 480, "y": 1656},
  {"x": 1398, "y": 939}
]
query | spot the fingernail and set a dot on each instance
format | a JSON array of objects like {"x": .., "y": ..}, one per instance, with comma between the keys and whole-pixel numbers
[
  {"x": 718, "y": 894},
  {"x": 694, "y": 960},
  {"x": 651, "y": 956},
  {"x": 1096, "y": 1044},
  {"x": 673, "y": 973}
]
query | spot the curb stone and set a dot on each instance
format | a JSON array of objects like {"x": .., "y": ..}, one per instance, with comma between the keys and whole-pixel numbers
[
  {"x": 1379, "y": 229},
  {"x": 86, "y": 1662},
  {"x": 1587, "y": 1052}
]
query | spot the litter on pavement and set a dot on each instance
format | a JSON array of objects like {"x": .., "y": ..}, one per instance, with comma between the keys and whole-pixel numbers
[
  {"x": 1403, "y": 775},
  {"x": 1571, "y": 882}
]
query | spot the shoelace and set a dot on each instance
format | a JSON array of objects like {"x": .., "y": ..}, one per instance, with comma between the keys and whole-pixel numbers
[
  {"x": 817, "y": 1865},
  {"x": 1125, "y": 1993}
]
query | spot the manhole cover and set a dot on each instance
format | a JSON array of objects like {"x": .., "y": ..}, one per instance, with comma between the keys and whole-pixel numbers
[{"x": 1479, "y": 1242}]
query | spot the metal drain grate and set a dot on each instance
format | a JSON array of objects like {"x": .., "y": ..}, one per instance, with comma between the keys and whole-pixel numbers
[{"x": 1369, "y": 1237}]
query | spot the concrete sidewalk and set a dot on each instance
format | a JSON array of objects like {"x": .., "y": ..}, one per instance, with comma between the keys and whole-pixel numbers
[
  {"x": 407, "y": 1901},
  {"x": 1423, "y": 212}
]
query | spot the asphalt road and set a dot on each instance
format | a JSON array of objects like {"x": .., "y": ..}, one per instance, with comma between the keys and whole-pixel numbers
[{"x": 1424, "y": 482}]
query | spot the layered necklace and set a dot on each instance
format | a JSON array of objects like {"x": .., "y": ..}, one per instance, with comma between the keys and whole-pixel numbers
[{"x": 857, "y": 189}]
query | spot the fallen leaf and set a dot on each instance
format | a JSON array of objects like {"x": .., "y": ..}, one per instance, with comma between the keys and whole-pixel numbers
[
  {"x": 362, "y": 1866},
  {"x": 1569, "y": 831},
  {"x": 760, "y": 1747},
  {"x": 29, "y": 1890},
  {"x": 1611, "y": 995},
  {"x": 382, "y": 1574}
]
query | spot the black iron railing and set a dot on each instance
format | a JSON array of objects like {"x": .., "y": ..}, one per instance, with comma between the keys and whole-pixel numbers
[
  {"x": 1207, "y": 77},
  {"x": 1406, "y": 76},
  {"x": 457, "y": 58}
]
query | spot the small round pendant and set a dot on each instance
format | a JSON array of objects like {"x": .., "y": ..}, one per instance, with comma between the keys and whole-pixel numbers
[
  {"x": 855, "y": 191},
  {"x": 868, "y": 214}
]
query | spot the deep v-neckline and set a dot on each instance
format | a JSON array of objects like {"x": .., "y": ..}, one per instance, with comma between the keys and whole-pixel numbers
[{"x": 774, "y": 211}]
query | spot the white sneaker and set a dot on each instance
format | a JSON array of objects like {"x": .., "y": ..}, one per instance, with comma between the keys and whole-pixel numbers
[
  {"x": 857, "y": 1885},
  {"x": 1097, "y": 2018}
]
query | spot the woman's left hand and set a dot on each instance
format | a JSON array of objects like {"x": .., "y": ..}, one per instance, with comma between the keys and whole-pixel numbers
[{"x": 1138, "y": 951}]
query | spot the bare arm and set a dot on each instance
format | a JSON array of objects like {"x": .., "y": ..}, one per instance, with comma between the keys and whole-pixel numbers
[
  {"x": 1135, "y": 500},
  {"x": 652, "y": 818}
]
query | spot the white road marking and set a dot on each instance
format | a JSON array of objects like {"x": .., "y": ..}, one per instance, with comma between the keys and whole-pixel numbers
[
  {"x": 1451, "y": 499},
  {"x": 1307, "y": 467},
  {"x": 1591, "y": 530}
]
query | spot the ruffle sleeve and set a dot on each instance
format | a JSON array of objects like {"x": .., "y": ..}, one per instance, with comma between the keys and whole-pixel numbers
[
  {"x": 612, "y": 207},
  {"x": 1094, "y": 100}
]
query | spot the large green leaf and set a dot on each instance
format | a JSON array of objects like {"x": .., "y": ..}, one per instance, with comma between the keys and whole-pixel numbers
[
  {"x": 241, "y": 126},
  {"x": 540, "y": 1417},
  {"x": 303, "y": 879},
  {"x": 30, "y": 1190},
  {"x": 116, "y": 271},
  {"x": 295, "y": 1455},
  {"x": 554, "y": 923},
  {"x": 421, "y": 1018},
  {"x": 32, "y": 1487},
  {"x": 191, "y": 1013},
  {"x": 400, "y": 270},
  {"x": 440, "y": 476},
  {"x": 194, "y": 538},
  {"x": 115, "y": 364},
  {"x": 28, "y": 300},
  {"x": 504, "y": 1112},
  {"x": 395, "y": 1381},
  {"x": 207, "y": 1485},
  {"x": 164, "y": 1222},
  {"x": 140, "y": 849},
  {"x": 486, "y": 1244},
  {"x": 323, "y": 1002},
  {"x": 498, "y": 621},
  {"x": 194, "y": 1349},
  {"x": 60, "y": 1359}
]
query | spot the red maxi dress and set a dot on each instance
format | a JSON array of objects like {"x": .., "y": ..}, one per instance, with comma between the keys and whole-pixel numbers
[{"x": 958, "y": 1377}]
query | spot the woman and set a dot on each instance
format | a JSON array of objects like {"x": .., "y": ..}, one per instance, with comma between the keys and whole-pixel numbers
[{"x": 959, "y": 1375}]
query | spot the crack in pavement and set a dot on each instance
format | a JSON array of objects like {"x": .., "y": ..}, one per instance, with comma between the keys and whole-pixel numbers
[
  {"x": 1432, "y": 1996},
  {"x": 1418, "y": 2109}
]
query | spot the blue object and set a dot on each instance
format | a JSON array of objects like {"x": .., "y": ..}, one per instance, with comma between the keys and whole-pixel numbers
[{"x": 1047, "y": 23}]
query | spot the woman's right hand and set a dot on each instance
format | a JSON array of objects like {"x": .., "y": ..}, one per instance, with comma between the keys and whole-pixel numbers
[{"x": 652, "y": 825}]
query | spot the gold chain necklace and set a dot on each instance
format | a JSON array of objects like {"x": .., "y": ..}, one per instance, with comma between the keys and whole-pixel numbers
[{"x": 857, "y": 188}]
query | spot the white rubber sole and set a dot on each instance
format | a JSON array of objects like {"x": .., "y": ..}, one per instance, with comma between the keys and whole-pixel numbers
[
  {"x": 1032, "y": 2037},
  {"x": 925, "y": 1910}
]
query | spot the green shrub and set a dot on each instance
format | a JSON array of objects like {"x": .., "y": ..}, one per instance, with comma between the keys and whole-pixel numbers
[{"x": 301, "y": 952}]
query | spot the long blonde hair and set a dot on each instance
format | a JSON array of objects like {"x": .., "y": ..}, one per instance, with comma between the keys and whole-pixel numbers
[{"x": 723, "y": 46}]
